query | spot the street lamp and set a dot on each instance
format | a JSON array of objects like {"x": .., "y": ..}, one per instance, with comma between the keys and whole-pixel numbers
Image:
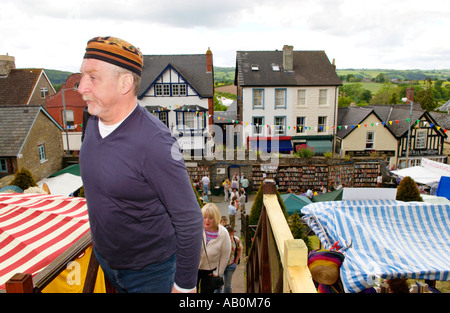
[{"x": 409, "y": 129}]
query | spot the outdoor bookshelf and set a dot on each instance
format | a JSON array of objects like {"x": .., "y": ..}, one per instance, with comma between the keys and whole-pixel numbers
[
  {"x": 197, "y": 172},
  {"x": 297, "y": 177},
  {"x": 366, "y": 174}
]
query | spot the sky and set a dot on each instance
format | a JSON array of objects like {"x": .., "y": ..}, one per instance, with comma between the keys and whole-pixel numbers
[{"x": 388, "y": 34}]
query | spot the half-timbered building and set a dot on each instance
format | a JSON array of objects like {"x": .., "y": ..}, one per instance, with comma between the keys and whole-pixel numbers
[
  {"x": 179, "y": 90},
  {"x": 416, "y": 132}
]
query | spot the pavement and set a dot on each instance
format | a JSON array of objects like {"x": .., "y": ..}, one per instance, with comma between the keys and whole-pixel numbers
[{"x": 238, "y": 283}]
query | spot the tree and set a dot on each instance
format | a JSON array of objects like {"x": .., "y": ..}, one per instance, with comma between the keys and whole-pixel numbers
[
  {"x": 298, "y": 229},
  {"x": 380, "y": 78},
  {"x": 385, "y": 94},
  {"x": 255, "y": 211},
  {"x": 426, "y": 96},
  {"x": 407, "y": 190},
  {"x": 24, "y": 179}
]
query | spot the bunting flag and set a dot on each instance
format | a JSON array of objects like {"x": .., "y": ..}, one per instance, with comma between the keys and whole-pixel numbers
[{"x": 218, "y": 118}]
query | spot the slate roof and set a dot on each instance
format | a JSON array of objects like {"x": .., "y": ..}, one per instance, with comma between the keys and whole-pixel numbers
[
  {"x": 311, "y": 68},
  {"x": 386, "y": 113},
  {"x": 442, "y": 119},
  {"x": 192, "y": 67},
  {"x": 445, "y": 106},
  {"x": 16, "y": 122},
  {"x": 229, "y": 114},
  {"x": 17, "y": 87},
  {"x": 348, "y": 116}
]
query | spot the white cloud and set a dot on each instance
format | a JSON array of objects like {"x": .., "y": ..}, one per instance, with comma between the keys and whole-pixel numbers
[{"x": 394, "y": 34}]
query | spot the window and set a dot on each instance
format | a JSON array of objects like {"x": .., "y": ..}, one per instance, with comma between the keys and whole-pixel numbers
[
  {"x": 44, "y": 92},
  {"x": 280, "y": 124},
  {"x": 370, "y": 140},
  {"x": 69, "y": 117},
  {"x": 280, "y": 98},
  {"x": 322, "y": 124},
  {"x": 301, "y": 121},
  {"x": 178, "y": 89},
  {"x": 258, "y": 98},
  {"x": 162, "y": 116},
  {"x": 323, "y": 97},
  {"x": 257, "y": 125},
  {"x": 301, "y": 97},
  {"x": 162, "y": 90},
  {"x": 3, "y": 166},
  {"x": 190, "y": 121},
  {"x": 421, "y": 139},
  {"x": 42, "y": 153}
]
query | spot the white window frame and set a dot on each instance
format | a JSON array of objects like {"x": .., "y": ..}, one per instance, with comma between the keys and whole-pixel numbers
[
  {"x": 280, "y": 125},
  {"x": 280, "y": 98},
  {"x": 70, "y": 119},
  {"x": 421, "y": 139},
  {"x": 162, "y": 90},
  {"x": 257, "y": 127},
  {"x": 258, "y": 98},
  {"x": 323, "y": 97},
  {"x": 323, "y": 124},
  {"x": 178, "y": 89},
  {"x": 42, "y": 157},
  {"x": 300, "y": 128},
  {"x": 370, "y": 141},
  {"x": 44, "y": 92},
  {"x": 301, "y": 97}
]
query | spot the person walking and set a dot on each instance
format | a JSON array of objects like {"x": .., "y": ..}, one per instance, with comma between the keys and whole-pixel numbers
[
  {"x": 205, "y": 184},
  {"x": 244, "y": 184},
  {"x": 242, "y": 199},
  {"x": 226, "y": 189},
  {"x": 235, "y": 256},
  {"x": 146, "y": 235},
  {"x": 216, "y": 250},
  {"x": 232, "y": 211}
]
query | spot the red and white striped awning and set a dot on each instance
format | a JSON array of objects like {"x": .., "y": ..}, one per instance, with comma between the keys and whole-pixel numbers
[{"x": 35, "y": 229}]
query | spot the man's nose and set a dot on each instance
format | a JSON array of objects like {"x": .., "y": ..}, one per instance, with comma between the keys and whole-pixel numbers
[{"x": 83, "y": 86}]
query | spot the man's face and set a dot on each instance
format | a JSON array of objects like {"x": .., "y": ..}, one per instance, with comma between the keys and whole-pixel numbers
[{"x": 99, "y": 87}]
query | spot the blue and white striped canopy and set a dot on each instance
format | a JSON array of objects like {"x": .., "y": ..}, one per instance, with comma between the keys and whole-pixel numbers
[{"x": 385, "y": 239}]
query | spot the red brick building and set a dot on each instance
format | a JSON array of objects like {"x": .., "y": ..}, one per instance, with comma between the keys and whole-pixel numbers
[
  {"x": 73, "y": 102},
  {"x": 69, "y": 98}
]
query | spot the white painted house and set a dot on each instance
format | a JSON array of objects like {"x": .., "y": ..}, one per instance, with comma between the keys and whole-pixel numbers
[
  {"x": 179, "y": 90},
  {"x": 289, "y": 96}
]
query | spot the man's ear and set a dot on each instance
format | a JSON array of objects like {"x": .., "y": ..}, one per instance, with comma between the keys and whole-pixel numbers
[{"x": 127, "y": 83}]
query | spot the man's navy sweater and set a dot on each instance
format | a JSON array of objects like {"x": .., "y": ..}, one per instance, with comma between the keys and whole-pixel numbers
[{"x": 141, "y": 204}]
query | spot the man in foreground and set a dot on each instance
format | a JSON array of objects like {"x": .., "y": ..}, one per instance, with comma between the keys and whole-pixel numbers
[{"x": 146, "y": 224}]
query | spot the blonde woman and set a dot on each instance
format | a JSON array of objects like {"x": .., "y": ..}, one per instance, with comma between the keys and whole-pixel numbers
[{"x": 216, "y": 249}]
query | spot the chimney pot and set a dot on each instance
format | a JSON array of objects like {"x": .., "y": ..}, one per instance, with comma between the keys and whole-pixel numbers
[
  {"x": 7, "y": 63},
  {"x": 288, "y": 58},
  {"x": 209, "y": 61}
]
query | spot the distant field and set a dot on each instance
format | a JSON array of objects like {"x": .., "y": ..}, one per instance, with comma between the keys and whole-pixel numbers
[{"x": 373, "y": 87}]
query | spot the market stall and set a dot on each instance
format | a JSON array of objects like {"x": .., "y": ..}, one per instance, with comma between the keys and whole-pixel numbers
[
  {"x": 35, "y": 229},
  {"x": 384, "y": 239}
]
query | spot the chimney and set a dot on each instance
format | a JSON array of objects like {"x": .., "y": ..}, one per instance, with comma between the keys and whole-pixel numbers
[
  {"x": 209, "y": 61},
  {"x": 7, "y": 63},
  {"x": 410, "y": 94},
  {"x": 288, "y": 58}
]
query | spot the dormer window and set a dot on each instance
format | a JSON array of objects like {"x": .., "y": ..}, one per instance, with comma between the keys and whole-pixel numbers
[
  {"x": 255, "y": 67},
  {"x": 275, "y": 68}
]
